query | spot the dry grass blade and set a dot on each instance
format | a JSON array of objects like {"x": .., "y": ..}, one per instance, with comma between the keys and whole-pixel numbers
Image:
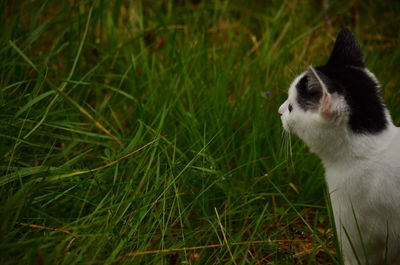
[
  {"x": 45, "y": 228},
  {"x": 161, "y": 251},
  {"x": 224, "y": 235},
  {"x": 111, "y": 163}
]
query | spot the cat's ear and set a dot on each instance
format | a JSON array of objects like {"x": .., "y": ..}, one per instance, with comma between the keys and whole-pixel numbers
[
  {"x": 346, "y": 51},
  {"x": 328, "y": 103}
]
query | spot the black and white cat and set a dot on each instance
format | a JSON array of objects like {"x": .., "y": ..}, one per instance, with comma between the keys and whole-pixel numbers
[{"x": 337, "y": 110}]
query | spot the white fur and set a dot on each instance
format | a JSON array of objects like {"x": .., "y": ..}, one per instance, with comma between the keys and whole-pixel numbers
[{"x": 363, "y": 177}]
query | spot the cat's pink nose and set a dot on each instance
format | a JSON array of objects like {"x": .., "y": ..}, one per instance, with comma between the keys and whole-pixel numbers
[{"x": 281, "y": 109}]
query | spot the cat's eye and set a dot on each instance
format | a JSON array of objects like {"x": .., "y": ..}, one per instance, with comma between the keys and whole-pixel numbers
[{"x": 290, "y": 107}]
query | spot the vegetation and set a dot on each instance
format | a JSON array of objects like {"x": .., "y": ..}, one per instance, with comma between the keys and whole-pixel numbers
[{"x": 146, "y": 132}]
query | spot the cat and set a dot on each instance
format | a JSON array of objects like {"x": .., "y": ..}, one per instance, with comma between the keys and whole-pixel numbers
[{"x": 337, "y": 110}]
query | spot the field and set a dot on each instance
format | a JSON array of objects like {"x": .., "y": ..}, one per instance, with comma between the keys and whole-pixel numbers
[{"x": 146, "y": 132}]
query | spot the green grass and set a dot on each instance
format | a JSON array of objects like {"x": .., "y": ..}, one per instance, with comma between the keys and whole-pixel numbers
[{"x": 133, "y": 127}]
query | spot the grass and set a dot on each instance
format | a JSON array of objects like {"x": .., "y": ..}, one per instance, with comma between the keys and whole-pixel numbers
[{"x": 139, "y": 133}]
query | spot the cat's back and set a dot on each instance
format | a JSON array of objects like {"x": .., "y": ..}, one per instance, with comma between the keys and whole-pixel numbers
[
  {"x": 372, "y": 180},
  {"x": 384, "y": 181},
  {"x": 391, "y": 156},
  {"x": 386, "y": 167}
]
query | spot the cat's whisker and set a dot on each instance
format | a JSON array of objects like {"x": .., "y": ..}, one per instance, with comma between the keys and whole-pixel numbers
[
  {"x": 290, "y": 149},
  {"x": 284, "y": 143},
  {"x": 282, "y": 140},
  {"x": 287, "y": 146}
]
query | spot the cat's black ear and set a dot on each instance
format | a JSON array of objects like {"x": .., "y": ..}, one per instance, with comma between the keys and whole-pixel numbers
[{"x": 346, "y": 51}]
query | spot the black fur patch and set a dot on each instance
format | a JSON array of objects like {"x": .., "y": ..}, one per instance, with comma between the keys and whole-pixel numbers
[
  {"x": 308, "y": 99},
  {"x": 346, "y": 67},
  {"x": 344, "y": 74},
  {"x": 367, "y": 111}
]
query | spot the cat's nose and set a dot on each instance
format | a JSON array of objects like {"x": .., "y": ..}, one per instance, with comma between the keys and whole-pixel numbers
[{"x": 282, "y": 109}]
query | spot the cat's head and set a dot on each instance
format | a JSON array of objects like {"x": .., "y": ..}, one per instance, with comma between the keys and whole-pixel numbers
[{"x": 341, "y": 95}]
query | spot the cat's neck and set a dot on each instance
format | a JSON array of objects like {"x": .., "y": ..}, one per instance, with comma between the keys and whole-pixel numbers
[{"x": 343, "y": 148}]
